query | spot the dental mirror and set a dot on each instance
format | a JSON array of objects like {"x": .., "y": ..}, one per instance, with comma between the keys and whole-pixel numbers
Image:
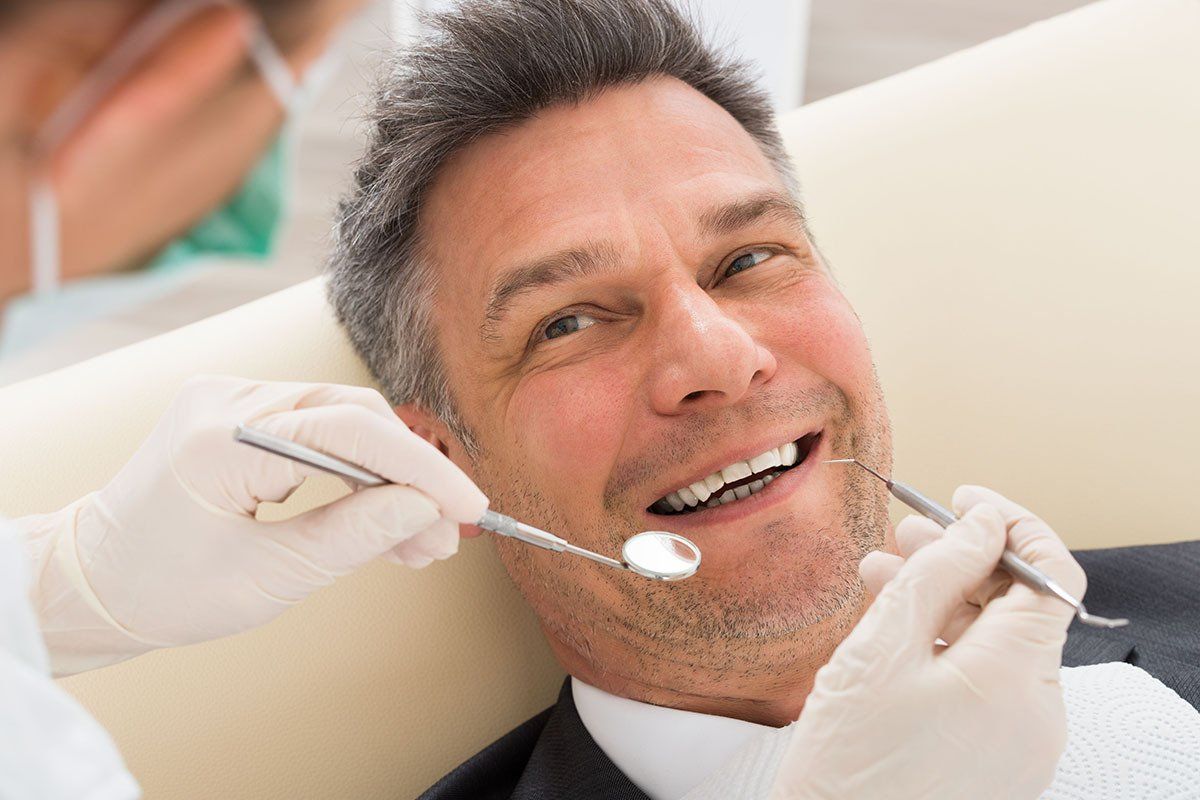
[
  {"x": 657, "y": 555},
  {"x": 661, "y": 555}
]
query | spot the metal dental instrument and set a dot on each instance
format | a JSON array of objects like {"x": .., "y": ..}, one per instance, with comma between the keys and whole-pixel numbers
[
  {"x": 658, "y": 555},
  {"x": 1026, "y": 572}
]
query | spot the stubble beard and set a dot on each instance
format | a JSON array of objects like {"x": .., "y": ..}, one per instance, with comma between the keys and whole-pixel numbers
[{"x": 798, "y": 613}]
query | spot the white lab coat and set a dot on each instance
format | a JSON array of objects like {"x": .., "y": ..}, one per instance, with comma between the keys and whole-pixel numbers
[{"x": 50, "y": 747}]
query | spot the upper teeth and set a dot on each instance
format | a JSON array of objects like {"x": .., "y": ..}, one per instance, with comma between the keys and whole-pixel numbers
[{"x": 708, "y": 490}]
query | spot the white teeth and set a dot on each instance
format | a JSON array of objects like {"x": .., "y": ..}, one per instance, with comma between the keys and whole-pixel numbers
[
  {"x": 736, "y": 471},
  {"x": 705, "y": 492},
  {"x": 765, "y": 461}
]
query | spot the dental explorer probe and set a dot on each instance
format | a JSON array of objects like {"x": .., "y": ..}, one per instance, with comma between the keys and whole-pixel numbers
[
  {"x": 1026, "y": 572},
  {"x": 658, "y": 555}
]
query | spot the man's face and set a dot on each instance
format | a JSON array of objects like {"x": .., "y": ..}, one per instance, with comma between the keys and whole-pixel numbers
[{"x": 628, "y": 304}]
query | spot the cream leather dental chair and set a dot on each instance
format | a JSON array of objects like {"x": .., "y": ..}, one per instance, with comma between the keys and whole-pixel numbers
[{"x": 1018, "y": 225}]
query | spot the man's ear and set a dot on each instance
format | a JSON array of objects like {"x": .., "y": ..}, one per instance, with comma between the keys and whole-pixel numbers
[{"x": 425, "y": 425}]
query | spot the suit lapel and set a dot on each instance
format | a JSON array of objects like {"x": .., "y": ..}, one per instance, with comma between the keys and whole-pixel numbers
[
  {"x": 567, "y": 762},
  {"x": 1087, "y": 646}
]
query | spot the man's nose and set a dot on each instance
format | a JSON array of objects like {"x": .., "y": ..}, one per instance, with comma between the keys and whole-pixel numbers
[{"x": 704, "y": 358}]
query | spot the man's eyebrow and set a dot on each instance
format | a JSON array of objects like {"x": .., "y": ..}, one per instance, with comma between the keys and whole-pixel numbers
[
  {"x": 558, "y": 267},
  {"x": 594, "y": 257},
  {"x": 730, "y": 217}
]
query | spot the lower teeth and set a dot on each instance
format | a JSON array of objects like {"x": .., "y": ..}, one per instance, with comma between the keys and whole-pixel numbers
[{"x": 739, "y": 493}]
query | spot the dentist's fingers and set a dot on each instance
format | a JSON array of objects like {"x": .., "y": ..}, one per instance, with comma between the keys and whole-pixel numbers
[
  {"x": 386, "y": 447},
  {"x": 914, "y": 532},
  {"x": 314, "y": 395},
  {"x": 356, "y": 529},
  {"x": 878, "y": 568},
  {"x": 437, "y": 542},
  {"x": 915, "y": 606},
  {"x": 962, "y": 619},
  {"x": 1023, "y": 623},
  {"x": 1029, "y": 537}
]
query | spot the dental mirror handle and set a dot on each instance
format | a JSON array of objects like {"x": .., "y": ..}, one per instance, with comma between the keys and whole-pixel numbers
[
  {"x": 507, "y": 526},
  {"x": 491, "y": 520}
]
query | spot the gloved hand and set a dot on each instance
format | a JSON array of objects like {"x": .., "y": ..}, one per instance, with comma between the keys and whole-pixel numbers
[
  {"x": 170, "y": 551},
  {"x": 894, "y": 716}
]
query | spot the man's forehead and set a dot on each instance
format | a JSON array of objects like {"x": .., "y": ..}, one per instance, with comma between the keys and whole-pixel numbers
[{"x": 586, "y": 171}]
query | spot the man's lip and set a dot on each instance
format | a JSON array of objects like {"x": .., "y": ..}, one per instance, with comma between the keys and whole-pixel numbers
[
  {"x": 779, "y": 491},
  {"x": 743, "y": 453}
]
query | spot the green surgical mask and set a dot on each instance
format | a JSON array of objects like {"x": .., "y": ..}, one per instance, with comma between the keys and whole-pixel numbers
[{"x": 245, "y": 228}]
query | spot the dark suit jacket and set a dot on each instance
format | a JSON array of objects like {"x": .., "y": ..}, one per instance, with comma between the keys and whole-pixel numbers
[{"x": 552, "y": 756}]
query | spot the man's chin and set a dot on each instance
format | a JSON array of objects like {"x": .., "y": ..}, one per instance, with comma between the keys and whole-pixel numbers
[
  {"x": 778, "y": 544},
  {"x": 795, "y": 591}
]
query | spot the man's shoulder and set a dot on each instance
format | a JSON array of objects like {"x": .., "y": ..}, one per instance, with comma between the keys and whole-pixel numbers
[
  {"x": 494, "y": 772},
  {"x": 1156, "y": 587}
]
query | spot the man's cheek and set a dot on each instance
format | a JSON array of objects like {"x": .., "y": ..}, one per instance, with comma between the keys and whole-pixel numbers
[
  {"x": 570, "y": 422},
  {"x": 825, "y": 336}
]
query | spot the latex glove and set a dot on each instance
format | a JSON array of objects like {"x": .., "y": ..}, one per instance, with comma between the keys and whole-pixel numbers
[
  {"x": 170, "y": 551},
  {"x": 894, "y": 716}
]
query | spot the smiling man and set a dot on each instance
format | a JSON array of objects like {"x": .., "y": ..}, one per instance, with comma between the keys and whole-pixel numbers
[
  {"x": 644, "y": 325},
  {"x": 617, "y": 321},
  {"x": 575, "y": 258}
]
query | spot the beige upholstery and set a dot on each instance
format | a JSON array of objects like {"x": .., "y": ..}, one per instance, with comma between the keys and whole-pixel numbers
[{"x": 1018, "y": 227}]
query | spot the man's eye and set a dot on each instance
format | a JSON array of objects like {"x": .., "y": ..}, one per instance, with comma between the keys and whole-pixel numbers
[
  {"x": 747, "y": 260},
  {"x": 568, "y": 324}
]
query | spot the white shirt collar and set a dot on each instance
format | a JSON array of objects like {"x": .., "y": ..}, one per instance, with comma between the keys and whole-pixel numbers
[{"x": 664, "y": 751}]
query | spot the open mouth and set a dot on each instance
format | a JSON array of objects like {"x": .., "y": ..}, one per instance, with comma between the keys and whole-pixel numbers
[{"x": 737, "y": 481}]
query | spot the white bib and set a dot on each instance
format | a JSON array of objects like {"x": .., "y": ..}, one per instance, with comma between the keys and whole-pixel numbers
[{"x": 1129, "y": 737}]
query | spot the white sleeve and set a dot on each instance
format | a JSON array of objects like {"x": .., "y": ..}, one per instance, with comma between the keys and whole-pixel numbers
[{"x": 50, "y": 747}]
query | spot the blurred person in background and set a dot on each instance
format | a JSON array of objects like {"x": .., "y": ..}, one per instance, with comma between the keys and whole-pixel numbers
[{"x": 140, "y": 138}]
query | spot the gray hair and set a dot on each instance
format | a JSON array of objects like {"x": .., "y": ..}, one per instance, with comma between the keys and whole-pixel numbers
[{"x": 485, "y": 66}]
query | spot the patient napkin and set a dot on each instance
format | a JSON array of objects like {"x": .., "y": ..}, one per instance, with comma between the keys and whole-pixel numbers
[{"x": 1129, "y": 737}]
